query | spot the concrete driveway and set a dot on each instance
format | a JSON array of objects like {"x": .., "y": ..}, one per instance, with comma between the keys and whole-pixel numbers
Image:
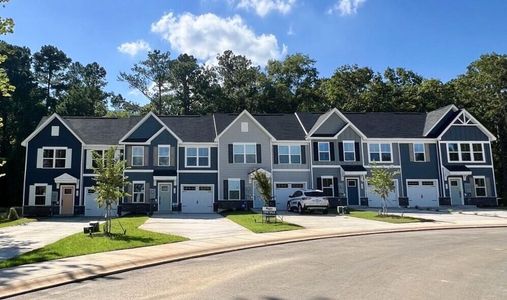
[
  {"x": 15, "y": 240},
  {"x": 320, "y": 221},
  {"x": 195, "y": 226}
]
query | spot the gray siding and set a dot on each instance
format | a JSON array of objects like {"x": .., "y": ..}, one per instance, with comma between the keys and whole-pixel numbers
[
  {"x": 334, "y": 147},
  {"x": 350, "y": 135},
  {"x": 464, "y": 133},
  {"x": 293, "y": 166},
  {"x": 395, "y": 154},
  {"x": 282, "y": 176},
  {"x": 331, "y": 126}
]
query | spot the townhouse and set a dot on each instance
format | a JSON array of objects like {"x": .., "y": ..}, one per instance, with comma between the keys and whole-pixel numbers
[{"x": 199, "y": 164}]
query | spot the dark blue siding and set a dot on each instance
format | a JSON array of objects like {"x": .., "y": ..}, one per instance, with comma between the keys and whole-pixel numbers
[
  {"x": 147, "y": 129},
  {"x": 165, "y": 138},
  {"x": 487, "y": 155},
  {"x": 464, "y": 133},
  {"x": 213, "y": 159}
]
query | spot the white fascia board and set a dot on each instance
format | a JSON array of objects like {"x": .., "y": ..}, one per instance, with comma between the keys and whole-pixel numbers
[
  {"x": 452, "y": 107},
  {"x": 491, "y": 136},
  {"x": 342, "y": 116},
  {"x": 245, "y": 112},
  {"x": 403, "y": 140},
  {"x": 142, "y": 121},
  {"x": 300, "y": 123},
  {"x": 51, "y": 118}
]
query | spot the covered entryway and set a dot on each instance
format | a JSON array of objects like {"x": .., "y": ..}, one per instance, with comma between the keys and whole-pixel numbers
[
  {"x": 164, "y": 197},
  {"x": 283, "y": 190},
  {"x": 352, "y": 191},
  {"x": 67, "y": 196},
  {"x": 374, "y": 199},
  {"x": 92, "y": 208},
  {"x": 422, "y": 193},
  {"x": 456, "y": 191},
  {"x": 197, "y": 198}
]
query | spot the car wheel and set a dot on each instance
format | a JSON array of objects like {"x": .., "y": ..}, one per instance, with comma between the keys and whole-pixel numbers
[
  {"x": 324, "y": 212},
  {"x": 289, "y": 208},
  {"x": 300, "y": 209}
]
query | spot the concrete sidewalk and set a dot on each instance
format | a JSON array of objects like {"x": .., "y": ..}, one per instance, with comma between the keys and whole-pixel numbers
[{"x": 46, "y": 274}]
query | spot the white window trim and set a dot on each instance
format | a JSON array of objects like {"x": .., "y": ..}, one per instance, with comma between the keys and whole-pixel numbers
[
  {"x": 54, "y": 157},
  {"x": 415, "y": 152},
  {"x": 380, "y": 152},
  {"x": 322, "y": 184},
  {"x": 290, "y": 154},
  {"x": 244, "y": 153},
  {"x": 485, "y": 187},
  {"x": 134, "y": 193},
  {"x": 471, "y": 152},
  {"x": 35, "y": 193},
  {"x": 132, "y": 156},
  {"x": 353, "y": 151},
  {"x": 168, "y": 155},
  {"x": 197, "y": 157},
  {"x": 229, "y": 188},
  {"x": 328, "y": 151}
]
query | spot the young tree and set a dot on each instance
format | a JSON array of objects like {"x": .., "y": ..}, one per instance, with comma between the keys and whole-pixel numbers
[
  {"x": 263, "y": 183},
  {"x": 110, "y": 183},
  {"x": 382, "y": 180}
]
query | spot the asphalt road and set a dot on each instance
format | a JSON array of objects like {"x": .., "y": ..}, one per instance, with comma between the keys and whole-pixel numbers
[{"x": 453, "y": 264}]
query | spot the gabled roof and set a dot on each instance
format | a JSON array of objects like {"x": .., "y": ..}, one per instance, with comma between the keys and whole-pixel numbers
[
  {"x": 191, "y": 128},
  {"x": 101, "y": 131},
  {"x": 308, "y": 119},
  {"x": 43, "y": 123},
  {"x": 389, "y": 124},
  {"x": 463, "y": 111},
  {"x": 236, "y": 117},
  {"x": 146, "y": 117},
  {"x": 434, "y": 117},
  {"x": 323, "y": 118}
]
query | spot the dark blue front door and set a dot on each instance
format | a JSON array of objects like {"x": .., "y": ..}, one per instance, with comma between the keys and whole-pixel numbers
[{"x": 352, "y": 192}]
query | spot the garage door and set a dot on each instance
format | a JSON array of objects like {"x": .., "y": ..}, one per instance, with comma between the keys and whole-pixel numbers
[
  {"x": 197, "y": 198},
  {"x": 283, "y": 191},
  {"x": 92, "y": 209},
  {"x": 422, "y": 193},
  {"x": 374, "y": 199}
]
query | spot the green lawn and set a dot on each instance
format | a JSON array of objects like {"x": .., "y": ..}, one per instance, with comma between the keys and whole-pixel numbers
[
  {"x": 253, "y": 222},
  {"x": 81, "y": 244},
  {"x": 21, "y": 221},
  {"x": 373, "y": 215}
]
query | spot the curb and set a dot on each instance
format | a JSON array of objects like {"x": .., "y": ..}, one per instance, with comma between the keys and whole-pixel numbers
[{"x": 81, "y": 275}]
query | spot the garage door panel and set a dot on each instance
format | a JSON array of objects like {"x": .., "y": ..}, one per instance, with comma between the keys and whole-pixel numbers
[
  {"x": 197, "y": 198},
  {"x": 422, "y": 193},
  {"x": 284, "y": 190},
  {"x": 374, "y": 199},
  {"x": 92, "y": 208}
]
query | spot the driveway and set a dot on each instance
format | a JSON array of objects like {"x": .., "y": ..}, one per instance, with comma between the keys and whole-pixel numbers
[
  {"x": 319, "y": 221},
  {"x": 195, "y": 226},
  {"x": 15, "y": 240}
]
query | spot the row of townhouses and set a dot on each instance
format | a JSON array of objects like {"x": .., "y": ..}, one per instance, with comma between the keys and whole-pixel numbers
[{"x": 198, "y": 164}]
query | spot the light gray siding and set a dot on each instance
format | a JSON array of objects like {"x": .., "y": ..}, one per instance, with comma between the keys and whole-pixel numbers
[
  {"x": 331, "y": 126},
  {"x": 288, "y": 176}
]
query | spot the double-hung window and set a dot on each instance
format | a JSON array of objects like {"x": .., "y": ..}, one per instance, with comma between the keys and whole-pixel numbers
[
  {"x": 53, "y": 158},
  {"x": 465, "y": 152},
  {"x": 324, "y": 151},
  {"x": 138, "y": 194},
  {"x": 419, "y": 152},
  {"x": 197, "y": 156},
  {"x": 40, "y": 194},
  {"x": 480, "y": 186},
  {"x": 380, "y": 152},
  {"x": 349, "y": 151},
  {"x": 234, "y": 189},
  {"x": 97, "y": 155},
  {"x": 478, "y": 153},
  {"x": 163, "y": 155},
  {"x": 245, "y": 153},
  {"x": 138, "y": 155},
  {"x": 289, "y": 154},
  {"x": 328, "y": 186}
]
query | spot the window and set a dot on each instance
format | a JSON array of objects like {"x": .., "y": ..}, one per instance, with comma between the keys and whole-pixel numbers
[
  {"x": 289, "y": 154},
  {"x": 55, "y": 130},
  {"x": 297, "y": 194},
  {"x": 54, "y": 158},
  {"x": 282, "y": 185},
  {"x": 349, "y": 151},
  {"x": 138, "y": 192},
  {"x": 40, "y": 195},
  {"x": 465, "y": 152},
  {"x": 380, "y": 152},
  {"x": 419, "y": 152},
  {"x": 245, "y": 153},
  {"x": 137, "y": 155},
  {"x": 327, "y": 186},
  {"x": 96, "y": 156},
  {"x": 314, "y": 194},
  {"x": 324, "y": 151},
  {"x": 244, "y": 126},
  {"x": 234, "y": 189},
  {"x": 480, "y": 186},
  {"x": 197, "y": 157},
  {"x": 298, "y": 185},
  {"x": 163, "y": 155}
]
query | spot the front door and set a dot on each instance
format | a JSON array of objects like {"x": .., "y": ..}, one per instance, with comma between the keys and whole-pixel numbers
[
  {"x": 456, "y": 191},
  {"x": 353, "y": 191},
  {"x": 164, "y": 197},
  {"x": 66, "y": 200}
]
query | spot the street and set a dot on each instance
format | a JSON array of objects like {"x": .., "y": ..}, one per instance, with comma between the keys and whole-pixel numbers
[{"x": 449, "y": 264}]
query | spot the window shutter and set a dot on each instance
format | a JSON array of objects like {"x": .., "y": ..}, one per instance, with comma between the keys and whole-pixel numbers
[
  {"x": 49, "y": 193},
  {"x": 31, "y": 195},
  {"x": 303, "y": 154},
  {"x": 275, "y": 154},
  {"x": 335, "y": 186},
  {"x": 242, "y": 189},
  {"x": 68, "y": 158},
  {"x": 147, "y": 192},
  {"x": 489, "y": 188},
  {"x": 411, "y": 152},
  {"x": 331, "y": 151},
  {"x": 39, "y": 158},
  {"x": 146, "y": 156},
  {"x": 172, "y": 156},
  {"x": 89, "y": 159},
  {"x": 155, "y": 155},
  {"x": 259, "y": 154},
  {"x": 315, "y": 151},
  {"x": 128, "y": 198},
  {"x": 226, "y": 189},
  {"x": 340, "y": 151},
  {"x": 230, "y": 154},
  {"x": 128, "y": 155},
  {"x": 319, "y": 183},
  {"x": 358, "y": 151},
  {"x": 427, "y": 152}
]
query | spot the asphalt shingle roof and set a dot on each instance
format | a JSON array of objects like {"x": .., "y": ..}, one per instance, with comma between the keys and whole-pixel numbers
[{"x": 191, "y": 128}]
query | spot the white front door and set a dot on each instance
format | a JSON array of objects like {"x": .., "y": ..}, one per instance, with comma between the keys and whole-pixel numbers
[
  {"x": 284, "y": 190},
  {"x": 197, "y": 198},
  {"x": 422, "y": 193},
  {"x": 165, "y": 197},
  {"x": 456, "y": 191}
]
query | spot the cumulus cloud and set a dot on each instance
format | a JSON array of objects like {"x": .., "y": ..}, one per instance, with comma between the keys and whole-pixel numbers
[
  {"x": 346, "y": 7},
  {"x": 133, "y": 48},
  {"x": 205, "y": 36},
  {"x": 264, "y": 7}
]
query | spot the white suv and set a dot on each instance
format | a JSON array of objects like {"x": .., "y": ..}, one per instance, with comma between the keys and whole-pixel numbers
[{"x": 308, "y": 200}]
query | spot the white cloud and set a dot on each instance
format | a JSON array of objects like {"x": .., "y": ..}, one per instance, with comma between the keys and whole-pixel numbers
[
  {"x": 346, "y": 7},
  {"x": 133, "y": 48},
  {"x": 264, "y": 7},
  {"x": 205, "y": 36},
  {"x": 290, "y": 31}
]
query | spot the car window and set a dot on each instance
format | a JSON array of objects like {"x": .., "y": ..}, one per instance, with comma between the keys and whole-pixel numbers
[
  {"x": 314, "y": 194},
  {"x": 297, "y": 194}
]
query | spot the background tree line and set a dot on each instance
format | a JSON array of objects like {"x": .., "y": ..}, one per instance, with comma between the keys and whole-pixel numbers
[{"x": 49, "y": 81}]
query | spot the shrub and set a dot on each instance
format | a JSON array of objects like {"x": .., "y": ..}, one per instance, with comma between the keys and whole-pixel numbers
[{"x": 13, "y": 214}]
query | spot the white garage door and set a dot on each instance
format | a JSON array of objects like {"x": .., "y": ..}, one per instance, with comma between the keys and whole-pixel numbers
[
  {"x": 374, "y": 199},
  {"x": 283, "y": 191},
  {"x": 92, "y": 209},
  {"x": 422, "y": 193},
  {"x": 197, "y": 198}
]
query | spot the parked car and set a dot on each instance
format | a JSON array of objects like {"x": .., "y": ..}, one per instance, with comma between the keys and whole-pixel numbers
[{"x": 308, "y": 200}]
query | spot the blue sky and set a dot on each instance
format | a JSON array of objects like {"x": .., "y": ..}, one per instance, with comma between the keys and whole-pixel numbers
[{"x": 435, "y": 38}]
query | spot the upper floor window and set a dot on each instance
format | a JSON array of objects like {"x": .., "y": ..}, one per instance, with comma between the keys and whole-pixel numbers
[
  {"x": 245, "y": 153},
  {"x": 380, "y": 152},
  {"x": 138, "y": 155},
  {"x": 97, "y": 155},
  {"x": 54, "y": 157},
  {"x": 480, "y": 186},
  {"x": 40, "y": 194},
  {"x": 163, "y": 155},
  {"x": 234, "y": 186},
  {"x": 324, "y": 151},
  {"x": 419, "y": 152},
  {"x": 349, "y": 151},
  {"x": 465, "y": 152},
  {"x": 197, "y": 156},
  {"x": 289, "y": 154}
]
